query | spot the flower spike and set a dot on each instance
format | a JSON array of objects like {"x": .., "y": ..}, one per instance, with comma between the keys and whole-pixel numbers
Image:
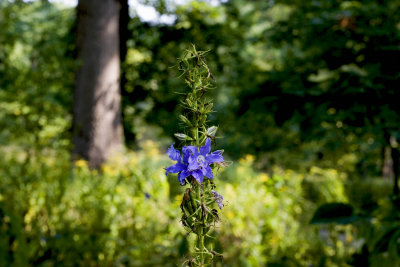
[{"x": 195, "y": 161}]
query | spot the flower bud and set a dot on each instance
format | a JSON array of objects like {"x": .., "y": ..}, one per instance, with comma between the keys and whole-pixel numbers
[
  {"x": 189, "y": 208},
  {"x": 208, "y": 107},
  {"x": 212, "y": 131},
  {"x": 189, "y": 103},
  {"x": 182, "y": 137},
  {"x": 185, "y": 120}
]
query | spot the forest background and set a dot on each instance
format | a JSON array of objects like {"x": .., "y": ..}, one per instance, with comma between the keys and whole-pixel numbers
[{"x": 306, "y": 101}]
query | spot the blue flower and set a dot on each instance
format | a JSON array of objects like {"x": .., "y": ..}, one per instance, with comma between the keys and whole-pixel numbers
[{"x": 194, "y": 161}]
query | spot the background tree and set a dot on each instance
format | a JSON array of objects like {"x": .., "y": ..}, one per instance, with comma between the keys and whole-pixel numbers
[{"x": 97, "y": 123}]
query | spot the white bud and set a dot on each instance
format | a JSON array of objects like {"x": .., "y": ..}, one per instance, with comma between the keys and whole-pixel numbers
[
  {"x": 182, "y": 137},
  {"x": 212, "y": 130}
]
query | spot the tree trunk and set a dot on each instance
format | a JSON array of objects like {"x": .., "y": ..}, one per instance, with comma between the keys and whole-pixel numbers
[{"x": 97, "y": 108}]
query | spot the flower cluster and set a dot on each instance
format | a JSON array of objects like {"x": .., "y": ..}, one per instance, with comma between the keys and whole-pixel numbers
[{"x": 193, "y": 162}]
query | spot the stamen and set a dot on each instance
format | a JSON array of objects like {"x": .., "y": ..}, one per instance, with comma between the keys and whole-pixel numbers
[{"x": 200, "y": 159}]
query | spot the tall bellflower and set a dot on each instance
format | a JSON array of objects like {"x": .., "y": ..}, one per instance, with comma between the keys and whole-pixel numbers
[{"x": 195, "y": 164}]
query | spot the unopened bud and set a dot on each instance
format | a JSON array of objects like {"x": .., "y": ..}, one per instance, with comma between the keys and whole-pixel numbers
[
  {"x": 182, "y": 137},
  {"x": 208, "y": 107},
  {"x": 212, "y": 130},
  {"x": 185, "y": 120},
  {"x": 189, "y": 102}
]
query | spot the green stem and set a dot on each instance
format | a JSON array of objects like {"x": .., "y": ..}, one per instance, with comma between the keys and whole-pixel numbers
[
  {"x": 201, "y": 232},
  {"x": 201, "y": 241},
  {"x": 197, "y": 136}
]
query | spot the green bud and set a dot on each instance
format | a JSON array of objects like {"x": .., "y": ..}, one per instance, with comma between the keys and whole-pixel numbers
[
  {"x": 182, "y": 137},
  {"x": 185, "y": 120},
  {"x": 212, "y": 130},
  {"x": 189, "y": 103},
  {"x": 208, "y": 107},
  {"x": 188, "y": 216}
]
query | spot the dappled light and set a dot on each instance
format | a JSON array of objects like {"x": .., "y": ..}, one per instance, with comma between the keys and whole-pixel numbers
[{"x": 234, "y": 133}]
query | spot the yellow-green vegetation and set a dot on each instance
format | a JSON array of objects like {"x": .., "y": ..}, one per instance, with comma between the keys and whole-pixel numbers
[{"x": 55, "y": 213}]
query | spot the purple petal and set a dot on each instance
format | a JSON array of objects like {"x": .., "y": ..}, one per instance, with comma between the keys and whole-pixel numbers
[
  {"x": 207, "y": 172},
  {"x": 193, "y": 163},
  {"x": 173, "y": 153},
  {"x": 187, "y": 151},
  {"x": 178, "y": 167},
  {"x": 217, "y": 195},
  {"x": 206, "y": 148},
  {"x": 182, "y": 176},
  {"x": 216, "y": 156},
  {"x": 218, "y": 198},
  {"x": 198, "y": 175}
]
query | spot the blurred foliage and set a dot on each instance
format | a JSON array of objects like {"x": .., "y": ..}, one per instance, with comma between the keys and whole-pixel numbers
[
  {"x": 308, "y": 89},
  {"x": 315, "y": 79},
  {"x": 55, "y": 213},
  {"x": 37, "y": 74}
]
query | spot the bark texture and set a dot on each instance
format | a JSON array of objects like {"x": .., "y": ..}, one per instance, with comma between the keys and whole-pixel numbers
[{"x": 97, "y": 98}]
